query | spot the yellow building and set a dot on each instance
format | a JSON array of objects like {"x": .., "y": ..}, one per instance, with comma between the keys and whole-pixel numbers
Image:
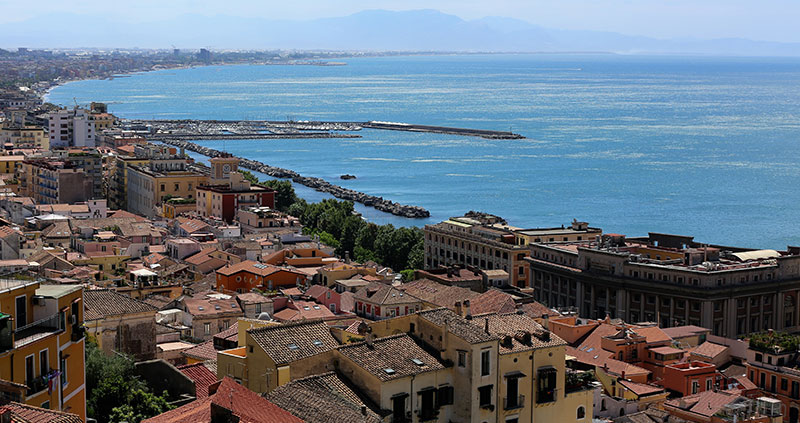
[
  {"x": 42, "y": 344},
  {"x": 118, "y": 185},
  {"x": 9, "y": 164},
  {"x": 148, "y": 188},
  {"x": 28, "y": 136}
]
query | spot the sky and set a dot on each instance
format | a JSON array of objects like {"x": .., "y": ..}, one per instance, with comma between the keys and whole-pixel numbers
[{"x": 768, "y": 20}]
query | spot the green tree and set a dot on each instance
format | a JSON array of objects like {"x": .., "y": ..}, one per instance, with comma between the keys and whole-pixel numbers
[
  {"x": 408, "y": 275},
  {"x": 285, "y": 195},
  {"x": 416, "y": 257},
  {"x": 248, "y": 176},
  {"x": 366, "y": 236},
  {"x": 113, "y": 389}
]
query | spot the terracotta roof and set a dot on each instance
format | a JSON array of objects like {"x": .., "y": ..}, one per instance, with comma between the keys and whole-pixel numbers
[
  {"x": 303, "y": 310},
  {"x": 316, "y": 291},
  {"x": 230, "y": 333},
  {"x": 347, "y": 301},
  {"x": 210, "y": 307},
  {"x": 193, "y": 226},
  {"x": 30, "y": 414},
  {"x": 492, "y": 301},
  {"x": 601, "y": 359},
  {"x": 706, "y": 403},
  {"x": 437, "y": 293},
  {"x": 709, "y": 350},
  {"x": 157, "y": 301},
  {"x": 383, "y": 294},
  {"x": 512, "y": 328},
  {"x": 594, "y": 340},
  {"x": 323, "y": 398},
  {"x": 666, "y": 350},
  {"x": 201, "y": 376},
  {"x": 684, "y": 331},
  {"x": 745, "y": 383},
  {"x": 201, "y": 256},
  {"x": 100, "y": 303},
  {"x": 537, "y": 310},
  {"x": 121, "y": 214},
  {"x": 653, "y": 334},
  {"x": 641, "y": 389},
  {"x": 457, "y": 325},
  {"x": 253, "y": 298},
  {"x": 253, "y": 267},
  {"x": 392, "y": 357},
  {"x": 245, "y": 404},
  {"x": 294, "y": 341},
  {"x": 203, "y": 351}
]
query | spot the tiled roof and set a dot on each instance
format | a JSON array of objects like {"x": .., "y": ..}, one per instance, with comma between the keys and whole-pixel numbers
[
  {"x": 99, "y": 303},
  {"x": 382, "y": 294},
  {"x": 245, "y": 404},
  {"x": 30, "y": 414},
  {"x": 157, "y": 301},
  {"x": 666, "y": 350},
  {"x": 254, "y": 268},
  {"x": 323, "y": 398},
  {"x": 317, "y": 291},
  {"x": 201, "y": 256},
  {"x": 641, "y": 389},
  {"x": 203, "y": 351},
  {"x": 745, "y": 383},
  {"x": 537, "y": 310},
  {"x": 303, "y": 310},
  {"x": 437, "y": 293},
  {"x": 709, "y": 350},
  {"x": 230, "y": 333},
  {"x": 347, "y": 301},
  {"x": 457, "y": 325},
  {"x": 391, "y": 357},
  {"x": 201, "y": 376},
  {"x": 706, "y": 403},
  {"x": 253, "y": 298},
  {"x": 654, "y": 334},
  {"x": 601, "y": 359},
  {"x": 684, "y": 331},
  {"x": 492, "y": 301},
  {"x": 517, "y": 332},
  {"x": 294, "y": 341},
  {"x": 210, "y": 307}
]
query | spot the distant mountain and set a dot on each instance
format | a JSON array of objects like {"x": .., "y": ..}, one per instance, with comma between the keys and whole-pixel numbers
[{"x": 417, "y": 30}]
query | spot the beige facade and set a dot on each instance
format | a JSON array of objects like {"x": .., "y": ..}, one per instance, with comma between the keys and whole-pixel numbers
[
  {"x": 28, "y": 136},
  {"x": 147, "y": 189}
]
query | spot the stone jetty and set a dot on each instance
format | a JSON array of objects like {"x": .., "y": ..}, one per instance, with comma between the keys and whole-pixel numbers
[{"x": 318, "y": 184}]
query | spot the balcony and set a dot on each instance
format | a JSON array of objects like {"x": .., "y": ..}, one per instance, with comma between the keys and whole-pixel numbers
[
  {"x": 36, "y": 385},
  {"x": 511, "y": 403},
  {"x": 546, "y": 396},
  {"x": 24, "y": 335}
]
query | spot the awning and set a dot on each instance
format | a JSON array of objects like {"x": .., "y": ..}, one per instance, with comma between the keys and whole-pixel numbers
[{"x": 514, "y": 374}]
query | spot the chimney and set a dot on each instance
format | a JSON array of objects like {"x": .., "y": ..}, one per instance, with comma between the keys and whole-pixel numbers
[
  {"x": 370, "y": 338},
  {"x": 466, "y": 310},
  {"x": 347, "y": 257},
  {"x": 486, "y": 325},
  {"x": 458, "y": 308}
]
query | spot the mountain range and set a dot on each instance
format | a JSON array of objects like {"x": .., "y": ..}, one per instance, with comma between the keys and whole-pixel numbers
[{"x": 376, "y": 30}]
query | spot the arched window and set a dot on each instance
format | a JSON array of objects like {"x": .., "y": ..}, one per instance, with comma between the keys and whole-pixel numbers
[{"x": 581, "y": 413}]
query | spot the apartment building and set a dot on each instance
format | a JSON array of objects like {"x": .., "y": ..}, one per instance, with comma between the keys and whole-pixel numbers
[
  {"x": 671, "y": 280},
  {"x": 71, "y": 128},
  {"x": 228, "y": 191},
  {"x": 148, "y": 187},
  {"x": 42, "y": 345},
  {"x": 55, "y": 182},
  {"x": 25, "y": 136}
]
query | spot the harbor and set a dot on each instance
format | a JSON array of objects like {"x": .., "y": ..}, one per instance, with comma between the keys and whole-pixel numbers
[{"x": 265, "y": 129}]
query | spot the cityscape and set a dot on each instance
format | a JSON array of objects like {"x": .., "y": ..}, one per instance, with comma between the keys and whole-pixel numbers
[{"x": 160, "y": 265}]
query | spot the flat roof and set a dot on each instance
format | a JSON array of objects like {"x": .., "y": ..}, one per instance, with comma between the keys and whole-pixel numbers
[
  {"x": 57, "y": 291},
  {"x": 556, "y": 231}
]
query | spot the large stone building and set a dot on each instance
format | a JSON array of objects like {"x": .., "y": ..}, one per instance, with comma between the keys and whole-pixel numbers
[
  {"x": 121, "y": 324},
  {"x": 488, "y": 243},
  {"x": 148, "y": 187},
  {"x": 672, "y": 280}
]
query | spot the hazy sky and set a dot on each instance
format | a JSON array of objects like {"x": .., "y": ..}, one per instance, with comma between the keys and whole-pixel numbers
[{"x": 772, "y": 20}]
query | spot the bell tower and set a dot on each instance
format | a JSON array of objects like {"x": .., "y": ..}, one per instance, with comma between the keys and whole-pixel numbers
[{"x": 222, "y": 168}]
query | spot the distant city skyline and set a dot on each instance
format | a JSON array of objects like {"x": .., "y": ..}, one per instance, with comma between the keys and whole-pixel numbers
[{"x": 768, "y": 20}]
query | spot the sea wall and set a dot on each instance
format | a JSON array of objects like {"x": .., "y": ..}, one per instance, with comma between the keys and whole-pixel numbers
[{"x": 318, "y": 184}]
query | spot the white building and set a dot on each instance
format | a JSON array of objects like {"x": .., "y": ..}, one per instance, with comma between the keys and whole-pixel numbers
[{"x": 71, "y": 128}]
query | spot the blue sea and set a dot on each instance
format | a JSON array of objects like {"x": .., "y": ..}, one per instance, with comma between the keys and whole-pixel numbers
[{"x": 699, "y": 146}]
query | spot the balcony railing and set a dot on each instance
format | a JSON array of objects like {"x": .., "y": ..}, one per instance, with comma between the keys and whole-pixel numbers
[
  {"x": 546, "y": 396},
  {"x": 37, "y": 330},
  {"x": 510, "y": 403}
]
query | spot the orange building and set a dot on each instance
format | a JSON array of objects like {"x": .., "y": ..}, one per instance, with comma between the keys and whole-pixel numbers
[
  {"x": 690, "y": 378},
  {"x": 247, "y": 275}
]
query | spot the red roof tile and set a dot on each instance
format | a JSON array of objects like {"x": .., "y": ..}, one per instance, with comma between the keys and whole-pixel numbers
[
  {"x": 492, "y": 301},
  {"x": 201, "y": 376}
]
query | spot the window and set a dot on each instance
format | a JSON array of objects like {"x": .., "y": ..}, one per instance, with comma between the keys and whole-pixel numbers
[
  {"x": 546, "y": 386},
  {"x": 29, "y": 370},
  {"x": 207, "y": 328},
  {"x": 695, "y": 386},
  {"x": 709, "y": 384},
  {"x": 63, "y": 368},
  {"x": 462, "y": 359},
  {"x": 427, "y": 410},
  {"x": 784, "y": 384},
  {"x": 513, "y": 399},
  {"x": 399, "y": 408},
  {"x": 44, "y": 366},
  {"x": 485, "y": 395},
  {"x": 485, "y": 363},
  {"x": 444, "y": 396},
  {"x": 581, "y": 413}
]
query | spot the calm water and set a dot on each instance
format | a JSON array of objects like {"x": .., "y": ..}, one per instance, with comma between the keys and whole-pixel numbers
[{"x": 697, "y": 146}]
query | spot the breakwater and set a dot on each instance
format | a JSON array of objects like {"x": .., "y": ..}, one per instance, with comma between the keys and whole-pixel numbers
[
  {"x": 318, "y": 184},
  {"x": 482, "y": 133},
  {"x": 251, "y": 136}
]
